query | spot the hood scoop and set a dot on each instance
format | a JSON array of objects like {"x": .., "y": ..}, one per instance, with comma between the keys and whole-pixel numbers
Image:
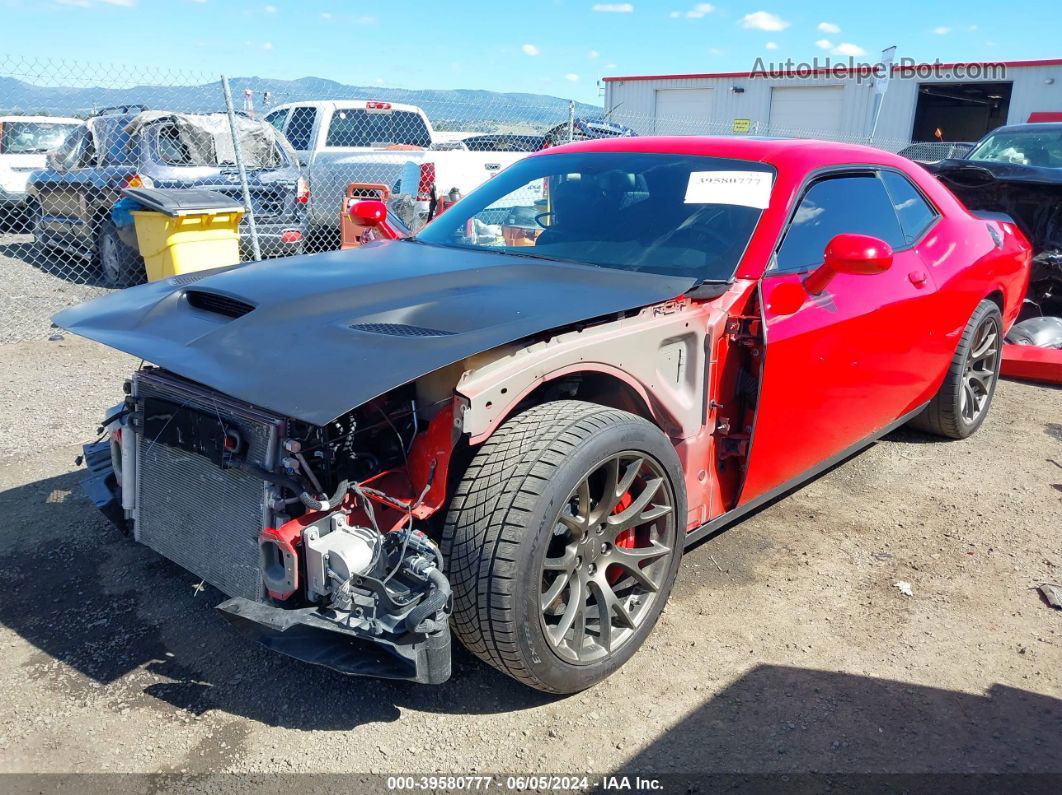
[
  {"x": 217, "y": 304},
  {"x": 400, "y": 330}
]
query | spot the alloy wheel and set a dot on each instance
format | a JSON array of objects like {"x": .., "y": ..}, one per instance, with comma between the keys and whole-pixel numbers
[
  {"x": 980, "y": 370},
  {"x": 608, "y": 558}
]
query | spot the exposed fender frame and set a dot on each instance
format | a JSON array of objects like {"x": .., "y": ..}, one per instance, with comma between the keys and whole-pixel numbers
[{"x": 663, "y": 361}]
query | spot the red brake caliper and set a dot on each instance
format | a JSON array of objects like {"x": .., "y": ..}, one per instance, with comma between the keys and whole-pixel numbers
[{"x": 624, "y": 539}]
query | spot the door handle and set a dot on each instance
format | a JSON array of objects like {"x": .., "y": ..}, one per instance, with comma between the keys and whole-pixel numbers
[{"x": 918, "y": 278}]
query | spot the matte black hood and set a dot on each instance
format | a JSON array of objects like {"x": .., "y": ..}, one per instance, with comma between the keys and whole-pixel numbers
[{"x": 313, "y": 337}]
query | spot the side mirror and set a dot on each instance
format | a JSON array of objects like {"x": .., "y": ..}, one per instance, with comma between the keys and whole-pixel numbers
[
  {"x": 859, "y": 255},
  {"x": 369, "y": 212}
]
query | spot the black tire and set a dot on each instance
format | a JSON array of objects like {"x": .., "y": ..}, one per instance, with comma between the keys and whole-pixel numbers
[
  {"x": 962, "y": 403},
  {"x": 512, "y": 514},
  {"x": 119, "y": 265}
]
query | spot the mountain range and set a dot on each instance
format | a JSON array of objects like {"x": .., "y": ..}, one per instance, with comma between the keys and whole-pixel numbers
[{"x": 464, "y": 109}]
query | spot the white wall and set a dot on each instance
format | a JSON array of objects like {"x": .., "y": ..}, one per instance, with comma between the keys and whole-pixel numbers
[{"x": 632, "y": 102}]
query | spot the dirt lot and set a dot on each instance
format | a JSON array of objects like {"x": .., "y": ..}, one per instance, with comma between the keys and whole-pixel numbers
[
  {"x": 786, "y": 646},
  {"x": 37, "y": 283}
]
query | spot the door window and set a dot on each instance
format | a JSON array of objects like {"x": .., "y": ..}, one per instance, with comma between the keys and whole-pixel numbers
[
  {"x": 300, "y": 128},
  {"x": 855, "y": 204},
  {"x": 914, "y": 212},
  {"x": 277, "y": 118}
]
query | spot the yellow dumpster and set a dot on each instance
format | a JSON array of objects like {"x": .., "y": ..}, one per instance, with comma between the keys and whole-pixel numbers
[{"x": 185, "y": 231}]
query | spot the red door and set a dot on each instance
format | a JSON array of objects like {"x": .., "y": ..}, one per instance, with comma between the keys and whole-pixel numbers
[{"x": 850, "y": 361}]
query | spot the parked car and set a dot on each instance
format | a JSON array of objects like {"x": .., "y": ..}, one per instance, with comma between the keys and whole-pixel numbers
[
  {"x": 71, "y": 199},
  {"x": 1017, "y": 170},
  {"x": 934, "y": 151},
  {"x": 585, "y": 130},
  {"x": 504, "y": 142},
  {"x": 367, "y": 141},
  {"x": 516, "y": 443},
  {"x": 24, "y": 142}
]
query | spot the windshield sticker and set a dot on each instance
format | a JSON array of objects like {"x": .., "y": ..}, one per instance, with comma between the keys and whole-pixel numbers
[{"x": 744, "y": 188}]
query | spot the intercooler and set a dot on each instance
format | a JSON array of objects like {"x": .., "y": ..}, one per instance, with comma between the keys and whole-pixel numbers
[{"x": 203, "y": 517}]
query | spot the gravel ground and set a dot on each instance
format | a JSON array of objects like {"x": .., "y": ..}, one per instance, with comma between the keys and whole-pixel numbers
[
  {"x": 37, "y": 284},
  {"x": 785, "y": 647}
]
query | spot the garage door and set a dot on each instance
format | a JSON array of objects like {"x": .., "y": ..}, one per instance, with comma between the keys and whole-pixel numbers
[
  {"x": 683, "y": 111},
  {"x": 807, "y": 112}
]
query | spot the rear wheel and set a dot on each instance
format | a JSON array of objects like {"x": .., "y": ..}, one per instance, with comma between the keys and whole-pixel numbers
[
  {"x": 563, "y": 541},
  {"x": 119, "y": 264},
  {"x": 962, "y": 403}
]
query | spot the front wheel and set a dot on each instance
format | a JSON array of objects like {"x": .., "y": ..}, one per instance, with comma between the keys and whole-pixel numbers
[
  {"x": 961, "y": 404},
  {"x": 563, "y": 541}
]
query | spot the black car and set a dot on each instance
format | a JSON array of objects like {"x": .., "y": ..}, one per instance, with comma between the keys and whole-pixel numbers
[
  {"x": 71, "y": 199},
  {"x": 504, "y": 142},
  {"x": 1017, "y": 170}
]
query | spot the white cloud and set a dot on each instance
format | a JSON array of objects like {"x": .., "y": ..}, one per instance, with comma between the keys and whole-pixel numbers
[
  {"x": 593, "y": 54},
  {"x": 123, "y": 3},
  {"x": 324, "y": 14},
  {"x": 847, "y": 48},
  {"x": 829, "y": 27},
  {"x": 824, "y": 44},
  {"x": 714, "y": 51},
  {"x": 771, "y": 45},
  {"x": 675, "y": 14},
  {"x": 610, "y": 66},
  {"x": 700, "y": 10},
  {"x": 942, "y": 30},
  {"x": 267, "y": 45},
  {"x": 270, "y": 9},
  {"x": 572, "y": 76},
  {"x": 613, "y": 8},
  {"x": 763, "y": 20},
  {"x": 530, "y": 49},
  {"x": 972, "y": 28}
]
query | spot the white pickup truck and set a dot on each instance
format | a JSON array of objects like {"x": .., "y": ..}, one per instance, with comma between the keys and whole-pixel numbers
[
  {"x": 368, "y": 141},
  {"x": 24, "y": 142}
]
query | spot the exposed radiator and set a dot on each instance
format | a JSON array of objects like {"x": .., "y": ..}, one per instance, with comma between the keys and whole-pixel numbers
[{"x": 204, "y": 518}]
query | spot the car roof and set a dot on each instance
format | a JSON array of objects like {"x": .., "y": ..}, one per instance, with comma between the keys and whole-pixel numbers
[
  {"x": 342, "y": 104},
  {"x": 1051, "y": 126},
  {"x": 780, "y": 152}
]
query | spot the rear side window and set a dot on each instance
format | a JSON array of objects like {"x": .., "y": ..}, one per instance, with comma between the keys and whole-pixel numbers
[
  {"x": 374, "y": 128},
  {"x": 300, "y": 128},
  {"x": 835, "y": 206},
  {"x": 914, "y": 212}
]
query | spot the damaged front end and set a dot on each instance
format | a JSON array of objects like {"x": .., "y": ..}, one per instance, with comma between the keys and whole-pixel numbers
[
  {"x": 1032, "y": 197},
  {"x": 309, "y": 530}
]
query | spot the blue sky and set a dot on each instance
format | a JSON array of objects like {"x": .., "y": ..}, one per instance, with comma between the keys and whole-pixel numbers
[{"x": 559, "y": 47}]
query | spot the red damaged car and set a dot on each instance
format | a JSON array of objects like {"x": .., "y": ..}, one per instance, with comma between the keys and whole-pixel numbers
[{"x": 510, "y": 426}]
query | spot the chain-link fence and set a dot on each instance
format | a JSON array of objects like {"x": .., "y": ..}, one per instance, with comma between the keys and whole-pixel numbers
[{"x": 294, "y": 154}]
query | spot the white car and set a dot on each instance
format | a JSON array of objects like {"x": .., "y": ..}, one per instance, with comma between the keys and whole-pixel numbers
[
  {"x": 24, "y": 142},
  {"x": 340, "y": 142}
]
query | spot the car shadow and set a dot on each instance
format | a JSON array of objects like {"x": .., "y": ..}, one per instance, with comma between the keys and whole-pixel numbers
[
  {"x": 52, "y": 261},
  {"x": 119, "y": 615},
  {"x": 777, "y": 719}
]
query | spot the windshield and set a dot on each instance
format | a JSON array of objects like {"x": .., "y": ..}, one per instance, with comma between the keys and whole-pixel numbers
[
  {"x": 669, "y": 214},
  {"x": 1025, "y": 147},
  {"x": 32, "y": 137}
]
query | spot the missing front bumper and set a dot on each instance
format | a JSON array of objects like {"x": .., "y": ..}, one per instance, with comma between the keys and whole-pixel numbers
[{"x": 306, "y": 635}]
